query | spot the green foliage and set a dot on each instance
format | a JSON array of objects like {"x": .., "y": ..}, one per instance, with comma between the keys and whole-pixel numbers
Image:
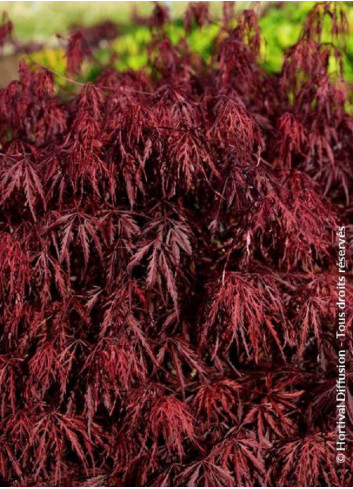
[
  {"x": 281, "y": 27},
  {"x": 280, "y": 24}
]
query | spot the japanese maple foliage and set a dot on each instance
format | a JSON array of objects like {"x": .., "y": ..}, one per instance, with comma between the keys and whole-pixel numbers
[{"x": 168, "y": 264}]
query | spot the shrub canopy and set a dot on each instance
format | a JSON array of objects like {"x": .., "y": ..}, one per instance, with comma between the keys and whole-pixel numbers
[{"x": 168, "y": 264}]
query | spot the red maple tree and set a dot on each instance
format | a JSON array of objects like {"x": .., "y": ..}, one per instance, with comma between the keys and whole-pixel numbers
[{"x": 168, "y": 264}]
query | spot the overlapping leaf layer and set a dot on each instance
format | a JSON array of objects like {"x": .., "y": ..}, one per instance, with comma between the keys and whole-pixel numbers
[{"x": 168, "y": 260}]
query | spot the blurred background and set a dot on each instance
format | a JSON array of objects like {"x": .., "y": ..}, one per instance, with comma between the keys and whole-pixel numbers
[{"x": 36, "y": 26}]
